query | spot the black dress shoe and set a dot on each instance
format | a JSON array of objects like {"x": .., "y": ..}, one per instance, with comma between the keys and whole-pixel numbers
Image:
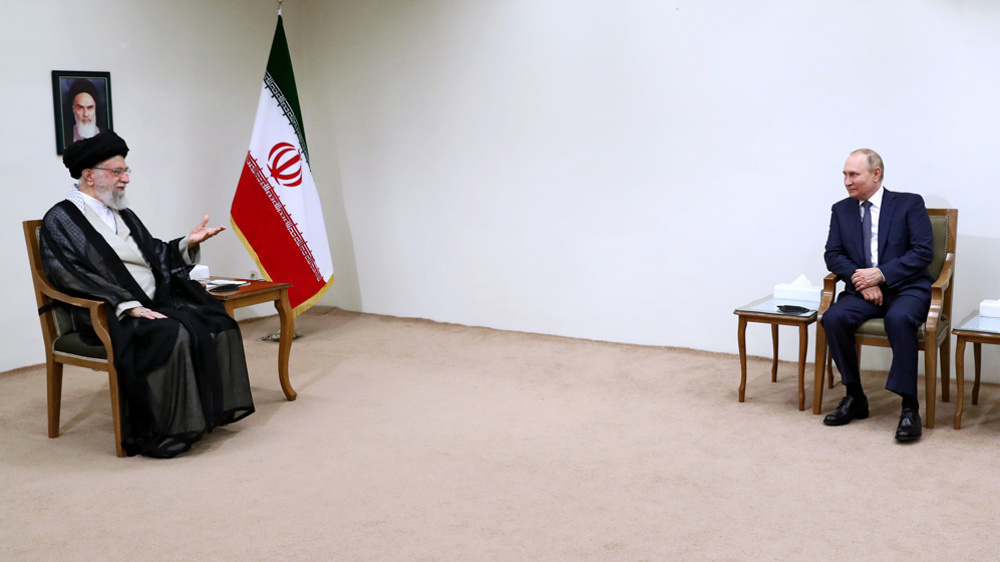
[
  {"x": 849, "y": 408},
  {"x": 909, "y": 428},
  {"x": 167, "y": 447}
]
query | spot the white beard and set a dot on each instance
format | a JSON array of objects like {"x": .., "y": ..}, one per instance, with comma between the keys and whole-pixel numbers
[
  {"x": 112, "y": 198},
  {"x": 84, "y": 131}
]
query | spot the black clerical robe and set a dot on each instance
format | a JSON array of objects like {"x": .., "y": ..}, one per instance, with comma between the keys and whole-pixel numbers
[{"x": 179, "y": 377}]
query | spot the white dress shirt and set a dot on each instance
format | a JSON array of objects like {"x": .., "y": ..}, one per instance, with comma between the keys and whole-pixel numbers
[{"x": 876, "y": 210}]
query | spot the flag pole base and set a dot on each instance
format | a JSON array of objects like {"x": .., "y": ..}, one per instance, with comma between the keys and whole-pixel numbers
[{"x": 276, "y": 336}]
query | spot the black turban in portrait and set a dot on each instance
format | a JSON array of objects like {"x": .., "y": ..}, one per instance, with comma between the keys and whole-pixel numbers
[
  {"x": 80, "y": 86},
  {"x": 87, "y": 153}
]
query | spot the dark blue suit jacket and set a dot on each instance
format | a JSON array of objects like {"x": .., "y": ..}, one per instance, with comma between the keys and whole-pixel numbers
[{"x": 905, "y": 243}]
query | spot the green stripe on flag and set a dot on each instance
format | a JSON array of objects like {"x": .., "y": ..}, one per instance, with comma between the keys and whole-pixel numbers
[{"x": 280, "y": 79}]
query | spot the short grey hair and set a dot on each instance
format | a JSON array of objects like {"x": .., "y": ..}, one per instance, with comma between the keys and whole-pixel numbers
[{"x": 874, "y": 160}]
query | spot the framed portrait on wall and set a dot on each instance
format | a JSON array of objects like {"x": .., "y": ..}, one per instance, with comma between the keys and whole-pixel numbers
[{"x": 82, "y": 101}]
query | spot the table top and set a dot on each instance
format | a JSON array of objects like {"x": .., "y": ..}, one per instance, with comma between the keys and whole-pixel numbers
[
  {"x": 769, "y": 305},
  {"x": 252, "y": 287},
  {"x": 974, "y": 323}
]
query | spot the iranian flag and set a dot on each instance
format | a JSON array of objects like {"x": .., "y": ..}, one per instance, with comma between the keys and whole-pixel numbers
[{"x": 276, "y": 210}]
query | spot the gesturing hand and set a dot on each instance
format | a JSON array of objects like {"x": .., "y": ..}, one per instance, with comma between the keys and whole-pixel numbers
[{"x": 202, "y": 233}]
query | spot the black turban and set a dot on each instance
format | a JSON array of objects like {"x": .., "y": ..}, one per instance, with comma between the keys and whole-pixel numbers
[
  {"x": 87, "y": 153},
  {"x": 80, "y": 86}
]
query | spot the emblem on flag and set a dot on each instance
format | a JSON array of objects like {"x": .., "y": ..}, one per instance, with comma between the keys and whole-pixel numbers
[{"x": 285, "y": 165}]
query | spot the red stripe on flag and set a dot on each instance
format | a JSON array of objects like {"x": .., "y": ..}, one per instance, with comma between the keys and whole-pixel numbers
[{"x": 265, "y": 231}]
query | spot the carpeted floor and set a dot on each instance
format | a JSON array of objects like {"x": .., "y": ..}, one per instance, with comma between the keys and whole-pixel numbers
[{"x": 412, "y": 440}]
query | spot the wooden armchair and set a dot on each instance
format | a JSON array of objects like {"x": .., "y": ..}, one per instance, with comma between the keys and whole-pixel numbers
[
  {"x": 63, "y": 345},
  {"x": 937, "y": 327}
]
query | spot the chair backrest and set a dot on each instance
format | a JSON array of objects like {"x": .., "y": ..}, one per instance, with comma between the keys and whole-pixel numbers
[
  {"x": 50, "y": 329},
  {"x": 945, "y": 225},
  {"x": 34, "y": 253},
  {"x": 59, "y": 322}
]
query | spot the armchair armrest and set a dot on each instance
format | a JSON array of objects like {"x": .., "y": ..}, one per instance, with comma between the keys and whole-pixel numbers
[
  {"x": 938, "y": 290},
  {"x": 97, "y": 308},
  {"x": 828, "y": 294},
  {"x": 943, "y": 281},
  {"x": 55, "y": 294}
]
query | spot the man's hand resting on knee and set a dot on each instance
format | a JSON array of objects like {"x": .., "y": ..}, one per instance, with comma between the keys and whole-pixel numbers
[
  {"x": 143, "y": 312},
  {"x": 873, "y": 295}
]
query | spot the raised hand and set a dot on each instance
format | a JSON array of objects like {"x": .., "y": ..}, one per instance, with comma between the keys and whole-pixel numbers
[{"x": 202, "y": 233}]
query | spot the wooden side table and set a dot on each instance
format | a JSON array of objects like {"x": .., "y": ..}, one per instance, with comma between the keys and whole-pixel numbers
[
  {"x": 256, "y": 292},
  {"x": 978, "y": 330},
  {"x": 766, "y": 311}
]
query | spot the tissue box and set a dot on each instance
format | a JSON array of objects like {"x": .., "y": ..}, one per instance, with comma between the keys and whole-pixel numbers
[
  {"x": 797, "y": 293},
  {"x": 990, "y": 308},
  {"x": 199, "y": 272}
]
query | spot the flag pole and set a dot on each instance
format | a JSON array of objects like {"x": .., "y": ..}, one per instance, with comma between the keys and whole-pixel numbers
[{"x": 288, "y": 244}]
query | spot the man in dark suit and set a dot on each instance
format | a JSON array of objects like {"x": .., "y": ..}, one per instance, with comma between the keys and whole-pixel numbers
[{"x": 880, "y": 245}]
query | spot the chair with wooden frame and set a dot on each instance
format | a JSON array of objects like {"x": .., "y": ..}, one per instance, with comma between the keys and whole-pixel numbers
[
  {"x": 63, "y": 345},
  {"x": 937, "y": 327}
]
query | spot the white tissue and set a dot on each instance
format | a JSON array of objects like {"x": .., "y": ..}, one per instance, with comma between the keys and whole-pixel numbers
[
  {"x": 199, "y": 272},
  {"x": 799, "y": 290},
  {"x": 990, "y": 308}
]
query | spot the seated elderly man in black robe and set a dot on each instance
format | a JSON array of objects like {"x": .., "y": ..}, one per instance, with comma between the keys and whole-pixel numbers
[{"x": 179, "y": 356}]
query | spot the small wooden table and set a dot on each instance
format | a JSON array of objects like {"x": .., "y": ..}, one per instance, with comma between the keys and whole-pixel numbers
[
  {"x": 978, "y": 330},
  {"x": 766, "y": 311},
  {"x": 256, "y": 292}
]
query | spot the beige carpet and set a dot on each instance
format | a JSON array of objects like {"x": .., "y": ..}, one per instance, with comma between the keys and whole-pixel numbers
[{"x": 412, "y": 440}]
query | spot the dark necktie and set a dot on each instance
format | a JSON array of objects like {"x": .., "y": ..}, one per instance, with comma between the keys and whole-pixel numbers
[{"x": 866, "y": 231}]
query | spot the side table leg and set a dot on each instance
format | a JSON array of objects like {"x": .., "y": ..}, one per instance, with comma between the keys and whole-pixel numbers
[
  {"x": 803, "y": 346},
  {"x": 285, "y": 342},
  {"x": 959, "y": 379},
  {"x": 774, "y": 344},
  {"x": 977, "y": 355},
  {"x": 742, "y": 339}
]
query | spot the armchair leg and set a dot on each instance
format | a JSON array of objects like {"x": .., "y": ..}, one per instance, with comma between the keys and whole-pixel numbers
[
  {"x": 116, "y": 415},
  {"x": 54, "y": 378},
  {"x": 945, "y": 370},
  {"x": 930, "y": 381},
  {"x": 820, "y": 364}
]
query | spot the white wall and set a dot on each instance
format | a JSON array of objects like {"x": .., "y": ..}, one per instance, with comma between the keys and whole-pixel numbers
[
  {"x": 627, "y": 171},
  {"x": 633, "y": 171},
  {"x": 185, "y": 79}
]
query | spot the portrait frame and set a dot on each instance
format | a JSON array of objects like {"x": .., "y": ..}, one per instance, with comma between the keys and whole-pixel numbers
[{"x": 68, "y": 84}]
